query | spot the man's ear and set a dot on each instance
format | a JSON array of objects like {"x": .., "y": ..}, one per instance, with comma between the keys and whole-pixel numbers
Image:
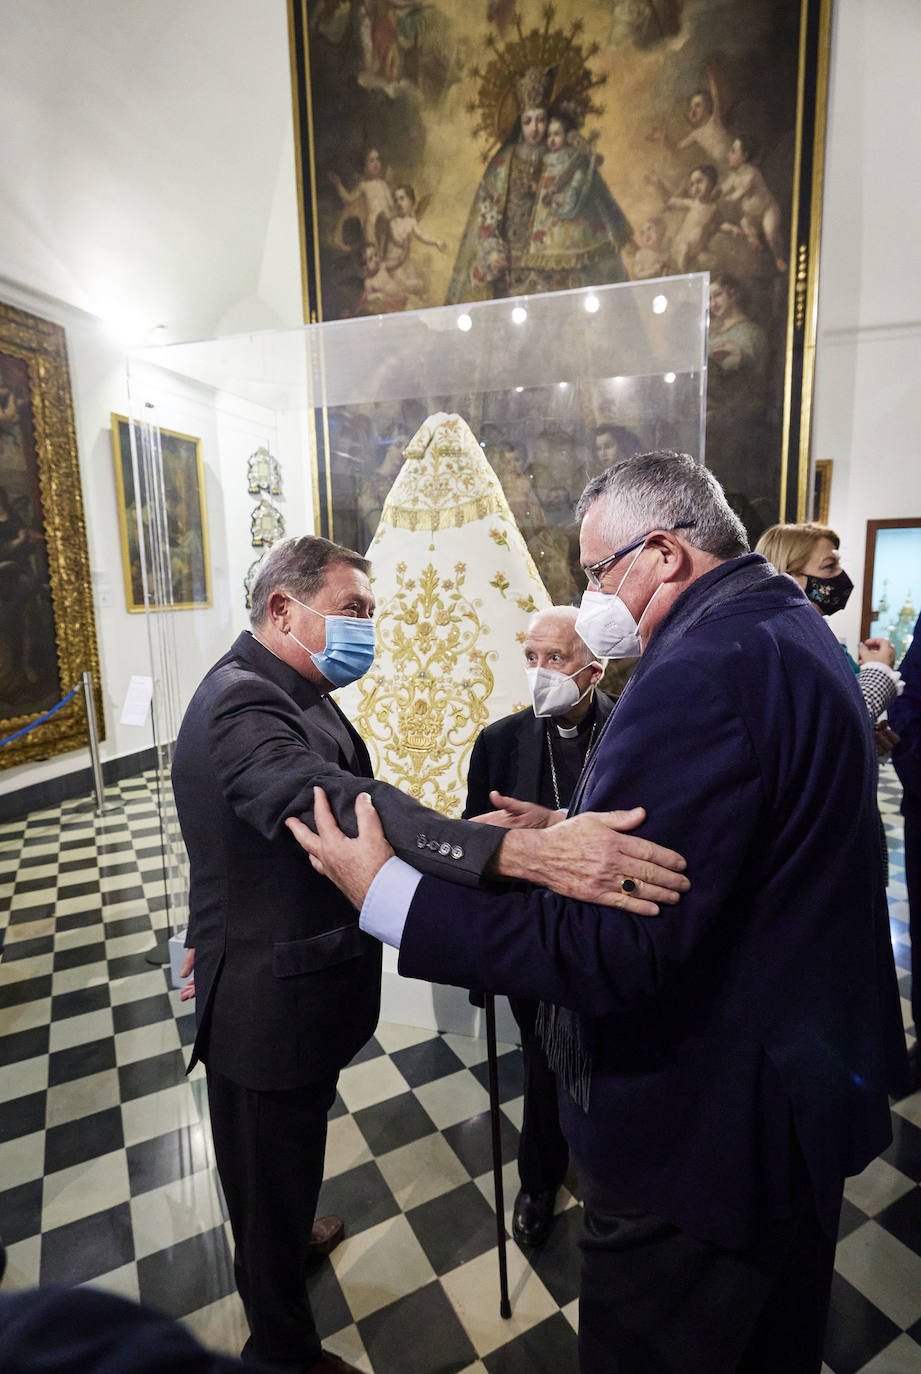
[
  {"x": 672, "y": 552},
  {"x": 278, "y": 609}
]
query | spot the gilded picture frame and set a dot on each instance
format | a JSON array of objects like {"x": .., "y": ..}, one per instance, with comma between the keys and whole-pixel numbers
[
  {"x": 410, "y": 128},
  {"x": 892, "y": 581},
  {"x": 821, "y": 490},
  {"x": 186, "y": 519},
  {"x": 47, "y": 626}
]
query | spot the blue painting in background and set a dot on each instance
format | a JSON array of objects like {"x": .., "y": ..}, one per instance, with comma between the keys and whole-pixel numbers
[{"x": 896, "y": 586}]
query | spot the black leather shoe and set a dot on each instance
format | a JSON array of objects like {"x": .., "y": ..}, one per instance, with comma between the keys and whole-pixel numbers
[
  {"x": 325, "y": 1235},
  {"x": 533, "y": 1217}
]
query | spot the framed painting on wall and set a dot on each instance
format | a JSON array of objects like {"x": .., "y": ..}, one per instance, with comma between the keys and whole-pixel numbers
[
  {"x": 47, "y": 627},
  {"x": 189, "y": 567},
  {"x": 892, "y": 581},
  {"x": 450, "y": 152}
]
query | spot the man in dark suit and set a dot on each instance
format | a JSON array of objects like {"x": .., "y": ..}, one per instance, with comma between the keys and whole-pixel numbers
[
  {"x": 905, "y": 720},
  {"x": 723, "y": 1068},
  {"x": 536, "y": 755},
  {"x": 287, "y": 986}
]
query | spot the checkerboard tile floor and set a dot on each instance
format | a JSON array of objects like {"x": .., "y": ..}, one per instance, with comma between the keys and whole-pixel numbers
[{"x": 107, "y": 1172}]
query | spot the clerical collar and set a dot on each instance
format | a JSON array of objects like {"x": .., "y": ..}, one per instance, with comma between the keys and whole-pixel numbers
[{"x": 571, "y": 731}]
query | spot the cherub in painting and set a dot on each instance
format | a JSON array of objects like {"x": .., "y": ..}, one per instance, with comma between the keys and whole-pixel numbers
[
  {"x": 705, "y": 116},
  {"x": 702, "y": 218},
  {"x": 745, "y": 187},
  {"x": 371, "y": 197},
  {"x": 395, "y": 234}
]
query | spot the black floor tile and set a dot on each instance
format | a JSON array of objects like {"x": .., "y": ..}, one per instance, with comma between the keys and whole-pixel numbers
[
  {"x": 27, "y": 949},
  {"x": 857, "y": 1331},
  {"x": 79, "y": 1002},
  {"x": 79, "y": 920},
  {"x": 851, "y": 1217},
  {"x": 143, "y": 1012},
  {"x": 88, "y": 887},
  {"x": 902, "y": 1219},
  {"x": 187, "y": 1027},
  {"x": 188, "y": 1275},
  {"x": 84, "y": 1249},
  {"x": 24, "y": 1045},
  {"x": 78, "y": 1061},
  {"x": 24, "y": 915},
  {"x": 25, "y": 990},
  {"x": 454, "y": 1228},
  {"x": 394, "y": 1122},
  {"x": 551, "y": 1347},
  {"x": 471, "y": 1141},
  {"x": 21, "y": 1116},
  {"x": 167, "y": 1158},
  {"x": 36, "y": 884},
  {"x": 371, "y": 1050},
  {"x": 400, "y": 1337},
  {"x": 74, "y": 1142},
  {"x": 21, "y": 1211},
  {"x": 427, "y": 1061},
  {"x": 360, "y": 1196},
  {"x": 331, "y": 1312},
  {"x": 110, "y": 868},
  {"x": 558, "y": 1261},
  {"x": 904, "y": 1153},
  {"x": 80, "y": 955},
  {"x": 123, "y": 894},
  {"x": 66, "y": 866},
  {"x": 338, "y": 1109},
  {"x": 126, "y": 925},
  {"x": 509, "y": 1073},
  {"x": 151, "y": 1075},
  {"x": 127, "y": 965}
]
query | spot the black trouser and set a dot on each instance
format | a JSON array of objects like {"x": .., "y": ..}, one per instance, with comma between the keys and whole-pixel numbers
[
  {"x": 270, "y": 1148},
  {"x": 655, "y": 1300},
  {"x": 911, "y": 810},
  {"x": 542, "y": 1150}
]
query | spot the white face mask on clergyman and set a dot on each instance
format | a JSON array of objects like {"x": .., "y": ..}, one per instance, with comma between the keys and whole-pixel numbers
[
  {"x": 606, "y": 624},
  {"x": 554, "y": 693}
]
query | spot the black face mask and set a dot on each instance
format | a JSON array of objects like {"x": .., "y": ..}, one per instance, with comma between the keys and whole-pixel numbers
[{"x": 829, "y": 594}]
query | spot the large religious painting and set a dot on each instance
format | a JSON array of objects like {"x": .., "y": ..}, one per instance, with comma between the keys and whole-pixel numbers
[
  {"x": 185, "y": 563},
  {"x": 464, "y": 150},
  {"x": 47, "y": 629}
]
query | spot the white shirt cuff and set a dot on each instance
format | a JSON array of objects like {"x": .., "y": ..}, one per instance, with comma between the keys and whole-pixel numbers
[{"x": 386, "y": 906}]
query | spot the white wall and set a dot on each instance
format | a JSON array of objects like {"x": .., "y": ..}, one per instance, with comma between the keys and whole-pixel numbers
[{"x": 867, "y": 397}]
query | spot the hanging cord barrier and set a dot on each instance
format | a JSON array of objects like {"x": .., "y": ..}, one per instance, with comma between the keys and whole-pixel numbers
[{"x": 41, "y": 720}]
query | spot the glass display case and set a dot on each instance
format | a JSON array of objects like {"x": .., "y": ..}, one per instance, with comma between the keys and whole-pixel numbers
[{"x": 304, "y": 431}]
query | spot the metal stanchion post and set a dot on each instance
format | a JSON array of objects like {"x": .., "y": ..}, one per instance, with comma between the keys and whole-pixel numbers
[{"x": 86, "y": 681}]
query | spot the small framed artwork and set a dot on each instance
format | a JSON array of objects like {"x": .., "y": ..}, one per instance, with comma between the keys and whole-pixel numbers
[
  {"x": 186, "y": 522},
  {"x": 892, "y": 581},
  {"x": 821, "y": 491}
]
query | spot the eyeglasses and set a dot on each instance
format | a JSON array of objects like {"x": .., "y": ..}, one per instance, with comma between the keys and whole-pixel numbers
[{"x": 595, "y": 571}]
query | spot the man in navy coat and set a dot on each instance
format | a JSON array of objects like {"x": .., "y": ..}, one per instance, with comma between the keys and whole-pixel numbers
[
  {"x": 287, "y": 986},
  {"x": 722, "y": 1067}
]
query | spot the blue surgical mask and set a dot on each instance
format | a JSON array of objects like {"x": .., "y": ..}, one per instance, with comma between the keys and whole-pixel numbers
[{"x": 349, "y": 650}]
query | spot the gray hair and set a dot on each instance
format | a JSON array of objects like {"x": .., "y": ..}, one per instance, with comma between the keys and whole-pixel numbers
[
  {"x": 659, "y": 490},
  {"x": 298, "y": 566},
  {"x": 567, "y": 613}
]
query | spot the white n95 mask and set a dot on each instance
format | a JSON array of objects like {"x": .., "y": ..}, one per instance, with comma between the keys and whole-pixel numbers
[{"x": 554, "y": 693}]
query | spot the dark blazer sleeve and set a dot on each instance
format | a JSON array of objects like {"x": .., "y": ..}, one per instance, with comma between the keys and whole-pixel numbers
[
  {"x": 905, "y": 719},
  {"x": 268, "y": 764},
  {"x": 600, "y": 960}
]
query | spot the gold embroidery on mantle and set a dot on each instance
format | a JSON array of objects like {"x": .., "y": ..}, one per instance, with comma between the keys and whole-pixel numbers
[{"x": 420, "y": 723}]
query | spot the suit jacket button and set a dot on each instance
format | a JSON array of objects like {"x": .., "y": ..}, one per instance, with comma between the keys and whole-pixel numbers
[
  {"x": 420, "y": 841},
  {"x": 444, "y": 847},
  {"x": 456, "y": 852},
  {"x": 433, "y": 844}
]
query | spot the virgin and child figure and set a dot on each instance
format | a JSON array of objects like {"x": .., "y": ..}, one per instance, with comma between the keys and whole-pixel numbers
[{"x": 542, "y": 218}]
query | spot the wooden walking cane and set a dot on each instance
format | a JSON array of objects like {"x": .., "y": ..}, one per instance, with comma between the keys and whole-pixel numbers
[{"x": 489, "y": 1003}]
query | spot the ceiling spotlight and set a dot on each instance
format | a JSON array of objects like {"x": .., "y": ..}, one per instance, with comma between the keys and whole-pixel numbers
[
  {"x": 669, "y": 377},
  {"x": 592, "y": 303},
  {"x": 659, "y": 305},
  {"x": 519, "y": 314},
  {"x": 464, "y": 322},
  {"x": 519, "y": 388}
]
